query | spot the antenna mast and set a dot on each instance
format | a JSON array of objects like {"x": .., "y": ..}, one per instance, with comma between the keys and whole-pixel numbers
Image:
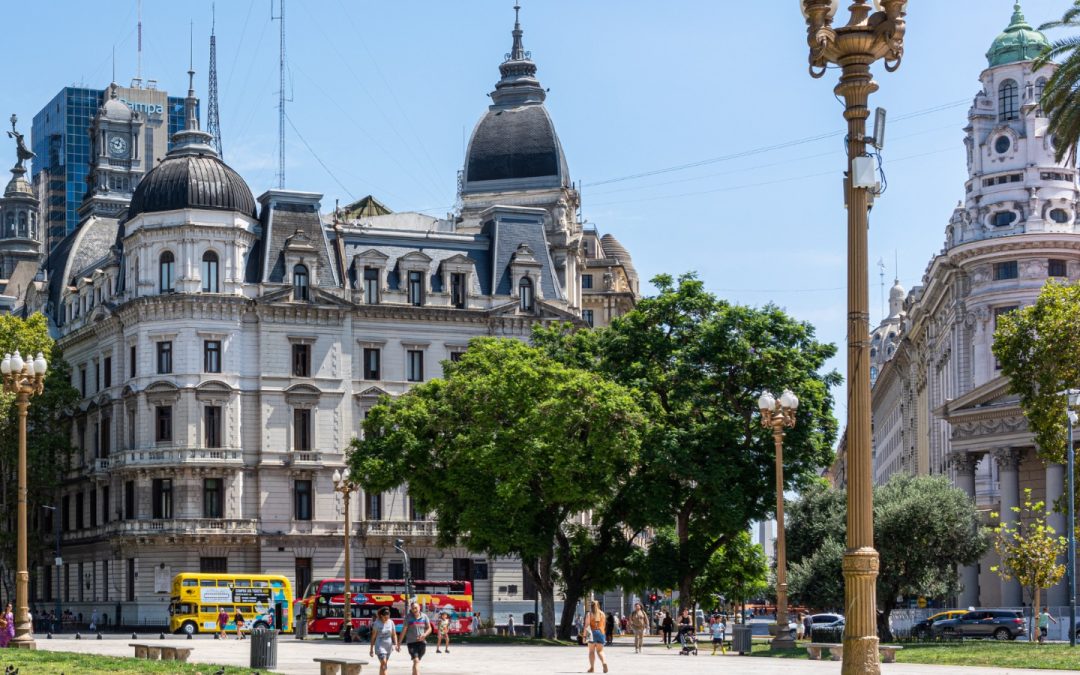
[
  {"x": 138, "y": 61},
  {"x": 281, "y": 92},
  {"x": 213, "y": 123},
  {"x": 881, "y": 273}
]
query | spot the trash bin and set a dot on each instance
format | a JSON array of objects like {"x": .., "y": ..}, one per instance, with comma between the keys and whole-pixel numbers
[
  {"x": 742, "y": 638},
  {"x": 263, "y": 648},
  {"x": 301, "y": 626}
]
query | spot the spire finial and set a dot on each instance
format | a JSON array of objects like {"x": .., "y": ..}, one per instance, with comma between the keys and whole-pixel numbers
[{"x": 517, "y": 51}]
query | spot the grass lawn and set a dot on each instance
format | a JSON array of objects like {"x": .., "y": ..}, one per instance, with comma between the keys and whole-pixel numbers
[
  {"x": 68, "y": 663},
  {"x": 968, "y": 653}
]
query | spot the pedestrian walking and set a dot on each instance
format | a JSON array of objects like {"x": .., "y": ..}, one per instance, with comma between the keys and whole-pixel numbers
[
  {"x": 609, "y": 627},
  {"x": 595, "y": 622},
  {"x": 1044, "y": 624},
  {"x": 417, "y": 628},
  {"x": 639, "y": 623},
  {"x": 384, "y": 639},
  {"x": 808, "y": 627},
  {"x": 667, "y": 627},
  {"x": 7, "y": 626},
  {"x": 238, "y": 619},
  {"x": 93, "y": 621},
  {"x": 443, "y": 632},
  {"x": 222, "y": 622},
  {"x": 719, "y": 632},
  {"x": 510, "y": 624}
]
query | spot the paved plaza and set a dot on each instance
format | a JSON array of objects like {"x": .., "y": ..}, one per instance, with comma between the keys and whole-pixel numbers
[{"x": 295, "y": 657}]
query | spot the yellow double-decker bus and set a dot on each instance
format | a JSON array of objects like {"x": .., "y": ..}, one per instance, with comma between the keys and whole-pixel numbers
[{"x": 264, "y": 600}]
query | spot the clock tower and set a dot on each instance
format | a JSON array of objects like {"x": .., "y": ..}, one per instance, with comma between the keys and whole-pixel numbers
[{"x": 116, "y": 165}]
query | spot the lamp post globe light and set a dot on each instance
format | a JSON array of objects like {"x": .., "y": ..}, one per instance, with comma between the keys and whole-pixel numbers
[
  {"x": 872, "y": 33},
  {"x": 346, "y": 486},
  {"x": 1071, "y": 403},
  {"x": 779, "y": 415},
  {"x": 24, "y": 378},
  {"x": 399, "y": 546}
]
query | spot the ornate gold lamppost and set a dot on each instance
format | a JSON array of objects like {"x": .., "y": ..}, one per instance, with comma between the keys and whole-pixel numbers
[
  {"x": 346, "y": 486},
  {"x": 780, "y": 415},
  {"x": 868, "y": 36},
  {"x": 24, "y": 379}
]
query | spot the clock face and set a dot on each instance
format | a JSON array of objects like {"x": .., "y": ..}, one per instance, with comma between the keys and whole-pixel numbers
[{"x": 117, "y": 145}]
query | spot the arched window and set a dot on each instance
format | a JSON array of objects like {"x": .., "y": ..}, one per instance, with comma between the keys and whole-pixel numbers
[
  {"x": 1008, "y": 101},
  {"x": 33, "y": 226},
  {"x": 1059, "y": 215},
  {"x": 1003, "y": 218},
  {"x": 525, "y": 294},
  {"x": 23, "y": 224},
  {"x": 10, "y": 224},
  {"x": 300, "y": 283},
  {"x": 210, "y": 272},
  {"x": 167, "y": 272},
  {"x": 1040, "y": 87}
]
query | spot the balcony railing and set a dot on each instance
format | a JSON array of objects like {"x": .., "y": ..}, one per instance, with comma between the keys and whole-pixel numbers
[
  {"x": 165, "y": 456},
  {"x": 165, "y": 526},
  {"x": 397, "y": 528}
]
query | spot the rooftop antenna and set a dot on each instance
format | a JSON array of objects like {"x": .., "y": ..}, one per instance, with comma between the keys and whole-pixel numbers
[
  {"x": 138, "y": 62},
  {"x": 881, "y": 272},
  {"x": 114, "y": 63},
  {"x": 281, "y": 92},
  {"x": 213, "y": 123}
]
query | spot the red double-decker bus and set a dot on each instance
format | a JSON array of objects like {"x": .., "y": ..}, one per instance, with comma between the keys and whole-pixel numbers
[{"x": 324, "y": 601}]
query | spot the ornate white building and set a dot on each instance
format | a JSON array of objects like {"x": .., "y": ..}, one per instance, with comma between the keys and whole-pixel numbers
[
  {"x": 227, "y": 350},
  {"x": 941, "y": 405}
]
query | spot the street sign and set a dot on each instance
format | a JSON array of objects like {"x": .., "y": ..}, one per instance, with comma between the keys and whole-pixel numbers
[{"x": 922, "y": 603}]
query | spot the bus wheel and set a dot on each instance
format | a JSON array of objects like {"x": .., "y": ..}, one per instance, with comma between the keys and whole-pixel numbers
[
  {"x": 261, "y": 625},
  {"x": 189, "y": 628}
]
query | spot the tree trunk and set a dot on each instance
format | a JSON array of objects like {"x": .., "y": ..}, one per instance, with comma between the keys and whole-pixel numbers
[
  {"x": 1035, "y": 633},
  {"x": 573, "y": 591},
  {"x": 545, "y": 586}
]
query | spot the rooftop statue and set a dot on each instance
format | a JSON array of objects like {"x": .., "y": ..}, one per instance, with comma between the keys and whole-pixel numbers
[{"x": 22, "y": 152}]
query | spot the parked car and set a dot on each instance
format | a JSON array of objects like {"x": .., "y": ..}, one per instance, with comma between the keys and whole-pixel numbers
[
  {"x": 921, "y": 630},
  {"x": 1000, "y": 624},
  {"x": 827, "y": 620}
]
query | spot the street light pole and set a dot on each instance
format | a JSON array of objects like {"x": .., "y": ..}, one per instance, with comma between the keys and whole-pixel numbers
[
  {"x": 779, "y": 415},
  {"x": 399, "y": 546},
  {"x": 24, "y": 379},
  {"x": 868, "y": 37},
  {"x": 346, "y": 487},
  {"x": 1073, "y": 401}
]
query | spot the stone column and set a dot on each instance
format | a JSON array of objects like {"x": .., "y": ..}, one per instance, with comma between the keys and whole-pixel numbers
[
  {"x": 1056, "y": 596},
  {"x": 1008, "y": 462},
  {"x": 965, "y": 464}
]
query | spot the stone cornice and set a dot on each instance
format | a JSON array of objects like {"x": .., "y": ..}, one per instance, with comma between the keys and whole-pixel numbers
[{"x": 1047, "y": 242}]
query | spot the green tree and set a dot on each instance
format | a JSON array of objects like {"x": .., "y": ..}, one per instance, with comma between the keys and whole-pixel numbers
[
  {"x": 697, "y": 365},
  {"x": 1039, "y": 353},
  {"x": 737, "y": 571},
  {"x": 48, "y": 433},
  {"x": 1061, "y": 95},
  {"x": 924, "y": 528},
  {"x": 505, "y": 451},
  {"x": 1029, "y": 550}
]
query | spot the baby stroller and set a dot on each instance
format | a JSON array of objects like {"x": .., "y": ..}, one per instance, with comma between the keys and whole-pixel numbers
[{"x": 688, "y": 640}]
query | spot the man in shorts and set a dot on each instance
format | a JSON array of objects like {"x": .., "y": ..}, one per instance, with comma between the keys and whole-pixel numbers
[
  {"x": 1044, "y": 624},
  {"x": 417, "y": 628}
]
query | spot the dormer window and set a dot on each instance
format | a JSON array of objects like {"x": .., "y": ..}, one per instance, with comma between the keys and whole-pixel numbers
[
  {"x": 1008, "y": 101},
  {"x": 416, "y": 288},
  {"x": 1059, "y": 215},
  {"x": 210, "y": 272},
  {"x": 1003, "y": 219},
  {"x": 371, "y": 285},
  {"x": 457, "y": 289},
  {"x": 525, "y": 294},
  {"x": 301, "y": 290},
  {"x": 167, "y": 272}
]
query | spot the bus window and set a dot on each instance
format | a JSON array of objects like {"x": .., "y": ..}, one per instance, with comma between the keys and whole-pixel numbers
[
  {"x": 183, "y": 608},
  {"x": 276, "y": 584},
  {"x": 259, "y": 583},
  {"x": 189, "y": 582},
  {"x": 228, "y": 609},
  {"x": 246, "y": 609},
  {"x": 242, "y": 583},
  {"x": 207, "y": 583},
  {"x": 209, "y": 609},
  {"x": 223, "y": 583}
]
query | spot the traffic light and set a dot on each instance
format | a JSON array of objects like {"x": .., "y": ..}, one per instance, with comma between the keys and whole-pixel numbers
[{"x": 653, "y": 598}]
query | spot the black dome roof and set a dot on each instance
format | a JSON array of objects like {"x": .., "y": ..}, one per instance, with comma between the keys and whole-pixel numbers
[
  {"x": 514, "y": 143},
  {"x": 192, "y": 181}
]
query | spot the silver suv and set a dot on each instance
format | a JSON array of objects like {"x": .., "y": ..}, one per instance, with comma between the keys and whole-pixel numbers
[{"x": 1000, "y": 624}]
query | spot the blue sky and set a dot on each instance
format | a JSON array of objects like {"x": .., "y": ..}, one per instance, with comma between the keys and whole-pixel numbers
[{"x": 384, "y": 94}]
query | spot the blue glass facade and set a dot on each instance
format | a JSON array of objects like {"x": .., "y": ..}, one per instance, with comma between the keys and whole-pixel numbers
[{"x": 61, "y": 140}]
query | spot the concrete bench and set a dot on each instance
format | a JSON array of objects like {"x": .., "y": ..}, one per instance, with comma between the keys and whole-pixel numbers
[
  {"x": 154, "y": 652},
  {"x": 814, "y": 650},
  {"x": 328, "y": 666},
  {"x": 888, "y": 653}
]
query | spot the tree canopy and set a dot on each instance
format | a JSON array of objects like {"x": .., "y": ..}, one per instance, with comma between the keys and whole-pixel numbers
[
  {"x": 505, "y": 451},
  {"x": 1061, "y": 95},
  {"x": 923, "y": 529}
]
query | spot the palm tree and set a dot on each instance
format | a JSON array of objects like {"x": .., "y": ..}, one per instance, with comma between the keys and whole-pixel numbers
[{"x": 1061, "y": 96}]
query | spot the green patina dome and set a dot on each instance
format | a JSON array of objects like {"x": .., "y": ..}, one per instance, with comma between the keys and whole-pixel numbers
[{"x": 1019, "y": 42}]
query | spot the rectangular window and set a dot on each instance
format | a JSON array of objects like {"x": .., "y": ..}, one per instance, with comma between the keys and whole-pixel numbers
[
  {"x": 82, "y": 381},
  {"x": 213, "y": 497},
  {"x": 457, "y": 290},
  {"x": 416, "y": 288},
  {"x": 371, "y": 285},
  {"x": 164, "y": 357},
  {"x": 97, "y": 376},
  {"x": 528, "y": 586},
  {"x": 105, "y": 579},
  {"x": 108, "y": 371},
  {"x": 1005, "y": 270},
  {"x": 586, "y": 281},
  {"x": 131, "y": 428},
  {"x": 106, "y": 504},
  {"x": 163, "y": 423},
  {"x": 214, "y": 565},
  {"x": 163, "y": 498},
  {"x": 373, "y": 568},
  {"x": 301, "y": 360},
  {"x": 415, "y": 365},
  {"x": 302, "y": 499},
  {"x": 65, "y": 507},
  {"x": 587, "y": 316},
  {"x": 67, "y": 583},
  {"x": 129, "y": 500},
  {"x": 414, "y": 513},
  {"x": 212, "y": 422},
  {"x": 456, "y": 356},
  {"x": 418, "y": 568},
  {"x": 302, "y": 429},
  {"x": 395, "y": 569},
  {"x": 1057, "y": 268},
  {"x": 302, "y": 566},
  {"x": 80, "y": 511},
  {"x": 131, "y": 361},
  {"x": 371, "y": 363},
  {"x": 373, "y": 506},
  {"x": 463, "y": 569},
  {"x": 105, "y": 437},
  {"x": 93, "y": 508},
  {"x": 212, "y": 356}
]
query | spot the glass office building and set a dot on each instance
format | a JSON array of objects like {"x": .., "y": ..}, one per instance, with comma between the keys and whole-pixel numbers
[{"x": 61, "y": 140}]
